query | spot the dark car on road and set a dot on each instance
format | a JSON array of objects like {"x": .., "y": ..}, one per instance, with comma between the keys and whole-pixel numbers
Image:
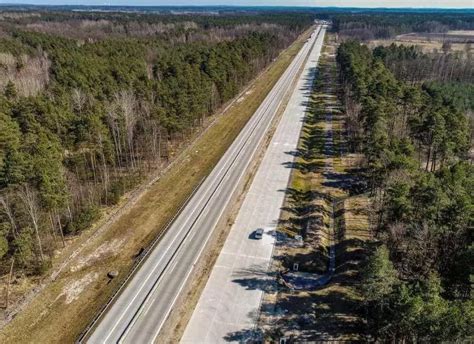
[{"x": 258, "y": 233}]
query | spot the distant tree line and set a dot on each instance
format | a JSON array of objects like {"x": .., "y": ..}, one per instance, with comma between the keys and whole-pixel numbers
[
  {"x": 368, "y": 26},
  {"x": 416, "y": 139},
  {"x": 170, "y": 27}
]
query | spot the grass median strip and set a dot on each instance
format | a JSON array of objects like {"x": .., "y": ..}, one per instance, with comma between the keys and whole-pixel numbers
[{"x": 60, "y": 312}]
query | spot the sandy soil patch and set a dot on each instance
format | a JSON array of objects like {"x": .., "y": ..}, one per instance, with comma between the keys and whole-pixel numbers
[
  {"x": 75, "y": 288},
  {"x": 105, "y": 250}
]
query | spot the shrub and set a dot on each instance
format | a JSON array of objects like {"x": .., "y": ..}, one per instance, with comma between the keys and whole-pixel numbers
[{"x": 83, "y": 220}]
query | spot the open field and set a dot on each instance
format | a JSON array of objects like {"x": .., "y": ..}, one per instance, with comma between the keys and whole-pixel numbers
[
  {"x": 321, "y": 203},
  {"x": 462, "y": 32},
  {"x": 66, "y": 305},
  {"x": 460, "y": 41},
  {"x": 426, "y": 46},
  {"x": 450, "y": 36}
]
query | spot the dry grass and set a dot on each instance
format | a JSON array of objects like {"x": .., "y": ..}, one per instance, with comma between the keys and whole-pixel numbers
[
  {"x": 48, "y": 318},
  {"x": 461, "y": 32},
  {"x": 426, "y": 46}
]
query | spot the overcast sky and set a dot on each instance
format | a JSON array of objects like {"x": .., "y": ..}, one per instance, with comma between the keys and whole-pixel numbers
[{"x": 340, "y": 3}]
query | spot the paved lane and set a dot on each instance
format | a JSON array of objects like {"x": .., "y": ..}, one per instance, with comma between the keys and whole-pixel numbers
[
  {"x": 138, "y": 313},
  {"x": 228, "y": 307}
]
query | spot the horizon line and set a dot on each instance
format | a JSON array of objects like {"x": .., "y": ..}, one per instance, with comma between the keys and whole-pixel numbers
[{"x": 245, "y": 6}]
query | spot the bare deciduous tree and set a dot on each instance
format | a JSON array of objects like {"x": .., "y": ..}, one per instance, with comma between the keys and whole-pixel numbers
[{"x": 31, "y": 203}]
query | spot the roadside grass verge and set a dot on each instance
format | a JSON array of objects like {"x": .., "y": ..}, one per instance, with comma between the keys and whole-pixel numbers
[
  {"x": 305, "y": 211},
  {"x": 65, "y": 306}
]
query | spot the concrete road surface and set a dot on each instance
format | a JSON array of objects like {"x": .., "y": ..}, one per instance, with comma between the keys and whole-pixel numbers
[
  {"x": 228, "y": 308},
  {"x": 139, "y": 311}
]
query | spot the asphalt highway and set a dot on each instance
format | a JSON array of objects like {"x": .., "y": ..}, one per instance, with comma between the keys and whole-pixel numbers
[
  {"x": 229, "y": 306},
  {"x": 141, "y": 308}
]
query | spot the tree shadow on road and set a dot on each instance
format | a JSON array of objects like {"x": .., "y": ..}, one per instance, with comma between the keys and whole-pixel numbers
[
  {"x": 255, "y": 277},
  {"x": 250, "y": 335}
]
